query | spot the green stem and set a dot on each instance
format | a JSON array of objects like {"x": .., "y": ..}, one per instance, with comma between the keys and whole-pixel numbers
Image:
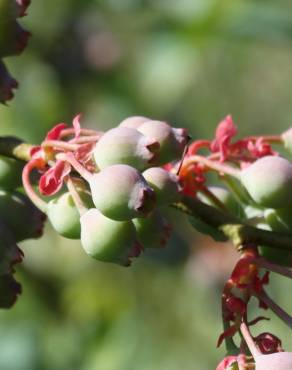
[{"x": 233, "y": 228}]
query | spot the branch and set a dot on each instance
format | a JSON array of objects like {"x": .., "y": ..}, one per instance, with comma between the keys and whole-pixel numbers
[
  {"x": 14, "y": 147},
  {"x": 232, "y": 227}
]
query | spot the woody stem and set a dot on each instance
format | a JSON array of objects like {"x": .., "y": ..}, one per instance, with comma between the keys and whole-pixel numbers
[
  {"x": 281, "y": 270},
  {"x": 283, "y": 315}
]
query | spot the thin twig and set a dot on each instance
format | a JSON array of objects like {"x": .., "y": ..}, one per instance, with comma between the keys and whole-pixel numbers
[
  {"x": 281, "y": 270},
  {"x": 283, "y": 315}
]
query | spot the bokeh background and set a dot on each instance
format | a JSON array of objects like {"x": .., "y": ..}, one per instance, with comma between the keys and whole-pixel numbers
[{"x": 190, "y": 62}]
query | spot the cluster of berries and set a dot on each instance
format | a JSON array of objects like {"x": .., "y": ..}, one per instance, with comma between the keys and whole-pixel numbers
[
  {"x": 108, "y": 189},
  {"x": 258, "y": 182},
  {"x": 257, "y": 194},
  {"x": 13, "y": 40}
]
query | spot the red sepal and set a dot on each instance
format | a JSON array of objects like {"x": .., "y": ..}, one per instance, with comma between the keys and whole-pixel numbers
[{"x": 52, "y": 180}]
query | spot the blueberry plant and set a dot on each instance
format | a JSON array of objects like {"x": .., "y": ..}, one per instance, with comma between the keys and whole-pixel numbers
[{"x": 110, "y": 190}]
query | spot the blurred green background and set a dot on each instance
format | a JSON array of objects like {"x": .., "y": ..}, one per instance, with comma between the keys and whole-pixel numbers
[{"x": 190, "y": 62}]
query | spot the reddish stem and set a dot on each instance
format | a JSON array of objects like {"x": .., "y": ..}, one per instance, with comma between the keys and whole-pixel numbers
[
  {"x": 57, "y": 144},
  {"x": 281, "y": 270},
  {"x": 83, "y": 131},
  {"x": 283, "y": 315},
  {"x": 249, "y": 340},
  {"x": 69, "y": 157},
  {"x": 213, "y": 165},
  {"x": 37, "y": 201},
  {"x": 85, "y": 139}
]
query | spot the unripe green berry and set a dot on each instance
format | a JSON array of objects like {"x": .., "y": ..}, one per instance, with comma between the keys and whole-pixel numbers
[
  {"x": 279, "y": 219},
  {"x": 107, "y": 240},
  {"x": 153, "y": 231},
  {"x": 269, "y": 181},
  {"x": 20, "y": 215},
  {"x": 120, "y": 192},
  {"x": 172, "y": 140},
  {"x": 287, "y": 138},
  {"x": 123, "y": 145},
  {"x": 10, "y": 173},
  {"x": 164, "y": 184},
  {"x": 133, "y": 122},
  {"x": 274, "y": 361},
  {"x": 64, "y": 215},
  {"x": 224, "y": 196}
]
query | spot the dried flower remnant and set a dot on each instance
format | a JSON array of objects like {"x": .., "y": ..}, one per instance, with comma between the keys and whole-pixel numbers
[{"x": 13, "y": 40}]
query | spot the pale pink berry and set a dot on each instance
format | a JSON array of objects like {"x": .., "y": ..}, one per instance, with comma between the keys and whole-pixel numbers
[
  {"x": 274, "y": 361},
  {"x": 120, "y": 192},
  {"x": 123, "y": 145},
  {"x": 269, "y": 181},
  {"x": 172, "y": 140},
  {"x": 134, "y": 121}
]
